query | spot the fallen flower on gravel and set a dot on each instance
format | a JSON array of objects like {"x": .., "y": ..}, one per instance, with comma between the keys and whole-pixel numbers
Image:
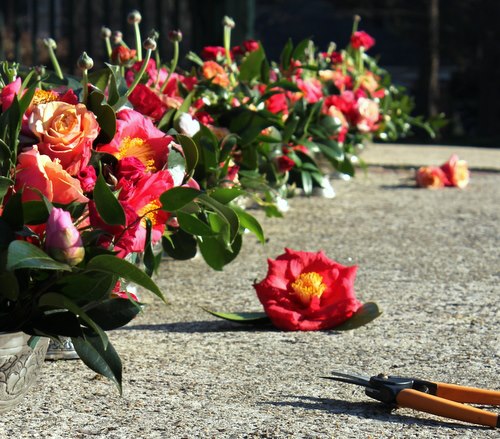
[
  {"x": 307, "y": 291},
  {"x": 453, "y": 173}
]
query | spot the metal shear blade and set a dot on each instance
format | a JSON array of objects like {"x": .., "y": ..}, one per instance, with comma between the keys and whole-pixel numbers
[{"x": 359, "y": 380}]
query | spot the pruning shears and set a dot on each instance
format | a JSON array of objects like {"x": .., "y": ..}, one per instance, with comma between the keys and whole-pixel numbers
[{"x": 441, "y": 399}]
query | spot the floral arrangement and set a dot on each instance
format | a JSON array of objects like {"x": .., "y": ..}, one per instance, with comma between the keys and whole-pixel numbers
[
  {"x": 453, "y": 173},
  {"x": 88, "y": 188},
  {"x": 272, "y": 126},
  {"x": 98, "y": 172},
  {"x": 307, "y": 291}
]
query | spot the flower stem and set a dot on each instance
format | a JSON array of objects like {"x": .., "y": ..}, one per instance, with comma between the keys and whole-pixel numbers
[
  {"x": 141, "y": 72},
  {"x": 85, "y": 84},
  {"x": 227, "y": 45},
  {"x": 55, "y": 63},
  {"x": 109, "y": 50},
  {"x": 173, "y": 66},
  {"x": 138, "y": 41}
]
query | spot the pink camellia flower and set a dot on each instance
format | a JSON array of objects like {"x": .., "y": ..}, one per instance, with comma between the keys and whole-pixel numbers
[
  {"x": 456, "y": 171},
  {"x": 62, "y": 239},
  {"x": 246, "y": 47},
  {"x": 305, "y": 291},
  {"x": 136, "y": 136},
  {"x": 431, "y": 177},
  {"x": 311, "y": 88},
  {"x": 87, "y": 178},
  {"x": 8, "y": 92},
  {"x": 362, "y": 39},
  {"x": 38, "y": 171},
  {"x": 144, "y": 198},
  {"x": 65, "y": 132}
]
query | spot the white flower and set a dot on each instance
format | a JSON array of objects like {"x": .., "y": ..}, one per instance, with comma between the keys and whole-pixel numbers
[{"x": 188, "y": 125}]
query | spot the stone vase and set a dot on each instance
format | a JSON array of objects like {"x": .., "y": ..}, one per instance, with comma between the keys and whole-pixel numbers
[{"x": 21, "y": 358}]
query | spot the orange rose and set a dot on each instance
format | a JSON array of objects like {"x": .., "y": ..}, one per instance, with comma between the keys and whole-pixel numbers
[
  {"x": 36, "y": 171},
  {"x": 212, "y": 70},
  {"x": 65, "y": 132}
]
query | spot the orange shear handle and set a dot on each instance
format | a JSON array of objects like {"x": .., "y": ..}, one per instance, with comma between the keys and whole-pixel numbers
[
  {"x": 472, "y": 395},
  {"x": 449, "y": 409}
]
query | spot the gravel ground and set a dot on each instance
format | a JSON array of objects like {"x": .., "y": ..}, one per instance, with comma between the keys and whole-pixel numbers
[{"x": 431, "y": 261}]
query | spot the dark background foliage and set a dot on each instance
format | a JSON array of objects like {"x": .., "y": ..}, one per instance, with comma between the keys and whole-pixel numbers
[{"x": 445, "y": 51}]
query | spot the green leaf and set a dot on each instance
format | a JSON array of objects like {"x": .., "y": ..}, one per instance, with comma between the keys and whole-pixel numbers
[
  {"x": 22, "y": 254},
  {"x": 13, "y": 212},
  {"x": 331, "y": 150},
  {"x": 58, "y": 301},
  {"x": 368, "y": 312},
  {"x": 105, "y": 116},
  {"x": 250, "y": 68},
  {"x": 224, "y": 212},
  {"x": 177, "y": 197},
  {"x": 100, "y": 78},
  {"x": 109, "y": 208},
  {"x": 184, "y": 108},
  {"x": 180, "y": 245},
  {"x": 215, "y": 252},
  {"x": 191, "y": 153},
  {"x": 225, "y": 195},
  {"x": 250, "y": 222},
  {"x": 35, "y": 212},
  {"x": 86, "y": 286},
  {"x": 5, "y": 183},
  {"x": 299, "y": 51},
  {"x": 248, "y": 124},
  {"x": 114, "y": 313},
  {"x": 307, "y": 184},
  {"x": 193, "y": 225},
  {"x": 103, "y": 361},
  {"x": 125, "y": 270},
  {"x": 286, "y": 54},
  {"x": 253, "y": 318}
]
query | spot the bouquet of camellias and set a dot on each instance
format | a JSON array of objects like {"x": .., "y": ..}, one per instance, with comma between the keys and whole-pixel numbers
[{"x": 86, "y": 183}]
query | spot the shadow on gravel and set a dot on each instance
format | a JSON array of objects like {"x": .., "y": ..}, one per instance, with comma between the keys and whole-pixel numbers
[
  {"x": 367, "y": 410},
  {"x": 199, "y": 326}
]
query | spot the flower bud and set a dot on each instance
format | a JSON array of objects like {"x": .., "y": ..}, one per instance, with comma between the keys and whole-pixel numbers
[
  {"x": 62, "y": 239},
  {"x": 85, "y": 62},
  {"x": 40, "y": 70},
  {"x": 154, "y": 34},
  {"x": 134, "y": 17},
  {"x": 105, "y": 32},
  {"x": 50, "y": 43},
  {"x": 357, "y": 18},
  {"x": 117, "y": 37},
  {"x": 228, "y": 22},
  {"x": 175, "y": 36},
  {"x": 149, "y": 44}
]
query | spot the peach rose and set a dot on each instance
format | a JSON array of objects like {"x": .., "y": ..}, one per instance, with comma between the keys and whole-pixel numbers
[
  {"x": 431, "y": 177},
  {"x": 37, "y": 171},
  {"x": 65, "y": 132},
  {"x": 369, "y": 115}
]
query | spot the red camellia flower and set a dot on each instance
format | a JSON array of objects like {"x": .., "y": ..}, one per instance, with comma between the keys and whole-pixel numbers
[
  {"x": 285, "y": 163},
  {"x": 305, "y": 291},
  {"x": 362, "y": 39},
  {"x": 210, "y": 53}
]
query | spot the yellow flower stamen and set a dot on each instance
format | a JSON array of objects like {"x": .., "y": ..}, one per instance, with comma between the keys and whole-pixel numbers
[
  {"x": 137, "y": 147},
  {"x": 44, "y": 96},
  {"x": 149, "y": 211},
  {"x": 308, "y": 285}
]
